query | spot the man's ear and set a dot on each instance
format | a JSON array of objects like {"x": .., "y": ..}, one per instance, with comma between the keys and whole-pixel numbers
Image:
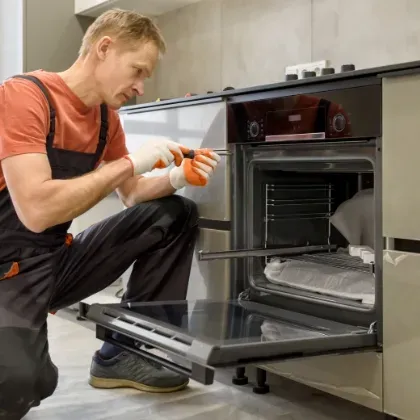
[{"x": 102, "y": 47}]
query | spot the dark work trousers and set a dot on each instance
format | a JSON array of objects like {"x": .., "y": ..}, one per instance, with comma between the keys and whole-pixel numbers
[{"x": 158, "y": 236}]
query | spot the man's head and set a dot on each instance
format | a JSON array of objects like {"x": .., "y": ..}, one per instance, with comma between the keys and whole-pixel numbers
[{"x": 122, "y": 48}]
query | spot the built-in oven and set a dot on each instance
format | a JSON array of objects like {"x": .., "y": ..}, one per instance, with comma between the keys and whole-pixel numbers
[{"x": 306, "y": 236}]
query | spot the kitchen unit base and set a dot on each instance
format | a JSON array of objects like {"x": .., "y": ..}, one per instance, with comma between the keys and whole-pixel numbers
[{"x": 353, "y": 377}]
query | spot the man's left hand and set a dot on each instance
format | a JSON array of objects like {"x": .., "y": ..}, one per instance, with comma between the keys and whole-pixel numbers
[{"x": 195, "y": 172}]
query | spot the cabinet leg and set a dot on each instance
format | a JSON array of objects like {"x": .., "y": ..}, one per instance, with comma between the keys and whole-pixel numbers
[
  {"x": 261, "y": 387},
  {"x": 240, "y": 378}
]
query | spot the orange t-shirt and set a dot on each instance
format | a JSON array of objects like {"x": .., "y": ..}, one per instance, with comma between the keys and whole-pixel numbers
[{"x": 24, "y": 120}]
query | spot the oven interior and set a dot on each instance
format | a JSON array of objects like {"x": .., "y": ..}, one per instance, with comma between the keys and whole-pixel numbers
[{"x": 307, "y": 202}]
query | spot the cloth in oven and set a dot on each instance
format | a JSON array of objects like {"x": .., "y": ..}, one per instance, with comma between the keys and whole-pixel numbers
[
  {"x": 354, "y": 219},
  {"x": 324, "y": 279}
]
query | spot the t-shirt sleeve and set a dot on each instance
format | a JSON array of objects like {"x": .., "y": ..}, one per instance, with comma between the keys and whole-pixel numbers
[
  {"x": 23, "y": 118},
  {"x": 116, "y": 147}
]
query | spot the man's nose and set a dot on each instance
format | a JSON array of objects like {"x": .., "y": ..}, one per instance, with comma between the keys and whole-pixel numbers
[{"x": 139, "y": 88}]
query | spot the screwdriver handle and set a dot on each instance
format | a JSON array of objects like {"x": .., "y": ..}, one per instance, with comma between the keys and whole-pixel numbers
[{"x": 189, "y": 155}]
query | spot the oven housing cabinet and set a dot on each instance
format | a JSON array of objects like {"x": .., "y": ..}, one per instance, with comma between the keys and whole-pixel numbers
[
  {"x": 251, "y": 158},
  {"x": 228, "y": 332},
  {"x": 314, "y": 328}
]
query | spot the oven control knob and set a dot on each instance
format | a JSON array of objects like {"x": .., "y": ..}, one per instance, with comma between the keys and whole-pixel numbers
[
  {"x": 291, "y": 77},
  {"x": 348, "y": 67},
  {"x": 254, "y": 129},
  {"x": 339, "y": 123},
  {"x": 307, "y": 74},
  {"x": 327, "y": 70}
]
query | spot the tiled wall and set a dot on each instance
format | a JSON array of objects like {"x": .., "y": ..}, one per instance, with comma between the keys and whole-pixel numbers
[{"x": 217, "y": 43}]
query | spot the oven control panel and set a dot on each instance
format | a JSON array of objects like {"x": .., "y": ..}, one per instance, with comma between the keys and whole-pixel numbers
[
  {"x": 255, "y": 129},
  {"x": 334, "y": 114}
]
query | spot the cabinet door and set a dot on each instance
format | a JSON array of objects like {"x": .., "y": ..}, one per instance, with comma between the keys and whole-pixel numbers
[
  {"x": 401, "y": 153},
  {"x": 196, "y": 126},
  {"x": 210, "y": 279},
  {"x": 401, "y": 338}
]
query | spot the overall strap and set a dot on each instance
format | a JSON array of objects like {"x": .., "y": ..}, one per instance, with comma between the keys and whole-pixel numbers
[
  {"x": 51, "y": 133},
  {"x": 103, "y": 132}
]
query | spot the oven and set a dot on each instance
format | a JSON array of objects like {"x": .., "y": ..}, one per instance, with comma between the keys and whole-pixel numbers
[{"x": 305, "y": 275}]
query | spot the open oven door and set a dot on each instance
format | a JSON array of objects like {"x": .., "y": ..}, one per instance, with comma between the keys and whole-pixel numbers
[{"x": 198, "y": 337}]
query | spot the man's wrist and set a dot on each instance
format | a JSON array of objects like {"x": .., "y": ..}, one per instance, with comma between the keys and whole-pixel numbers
[
  {"x": 176, "y": 178},
  {"x": 127, "y": 158}
]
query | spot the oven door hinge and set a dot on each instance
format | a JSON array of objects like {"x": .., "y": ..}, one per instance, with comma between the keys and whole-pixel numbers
[
  {"x": 245, "y": 295},
  {"x": 373, "y": 328}
]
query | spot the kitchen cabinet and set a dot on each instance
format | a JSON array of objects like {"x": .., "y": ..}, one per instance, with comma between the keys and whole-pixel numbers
[
  {"x": 401, "y": 148},
  {"x": 94, "y": 8}
]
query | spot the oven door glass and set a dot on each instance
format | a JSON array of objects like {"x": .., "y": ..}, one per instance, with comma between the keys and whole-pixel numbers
[{"x": 197, "y": 337}]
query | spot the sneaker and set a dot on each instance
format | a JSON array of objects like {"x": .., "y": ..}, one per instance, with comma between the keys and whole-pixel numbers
[{"x": 129, "y": 370}]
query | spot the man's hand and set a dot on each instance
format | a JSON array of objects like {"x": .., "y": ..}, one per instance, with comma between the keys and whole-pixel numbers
[
  {"x": 195, "y": 172},
  {"x": 156, "y": 153}
]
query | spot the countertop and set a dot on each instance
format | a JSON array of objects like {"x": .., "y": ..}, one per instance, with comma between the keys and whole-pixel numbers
[{"x": 411, "y": 67}]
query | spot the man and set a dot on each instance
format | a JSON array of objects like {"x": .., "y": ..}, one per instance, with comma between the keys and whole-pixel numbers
[{"x": 55, "y": 131}]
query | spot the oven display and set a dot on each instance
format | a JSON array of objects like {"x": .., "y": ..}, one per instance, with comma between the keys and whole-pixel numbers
[{"x": 303, "y": 123}]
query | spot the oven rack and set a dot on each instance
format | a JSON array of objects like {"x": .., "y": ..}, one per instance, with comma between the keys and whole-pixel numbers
[
  {"x": 298, "y": 201},
  {"x": 334, "y": 259}
]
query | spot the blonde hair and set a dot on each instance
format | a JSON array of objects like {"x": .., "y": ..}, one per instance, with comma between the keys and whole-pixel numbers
[{"x": 124, "y": 25}]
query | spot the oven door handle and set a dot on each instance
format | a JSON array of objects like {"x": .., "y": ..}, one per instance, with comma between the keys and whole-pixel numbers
[{"x": 263, "y": 252}]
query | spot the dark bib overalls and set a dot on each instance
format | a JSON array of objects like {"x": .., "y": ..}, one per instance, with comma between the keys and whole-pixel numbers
[{"x": 42, "y": 272}]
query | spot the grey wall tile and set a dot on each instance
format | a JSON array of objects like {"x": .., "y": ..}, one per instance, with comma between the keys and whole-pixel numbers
[
  {"x": 150, "y": 90},
  {"x": 193, "y": 60},
  {"x": 261, "y": 37},
  {"x": 367, "y": 33}
]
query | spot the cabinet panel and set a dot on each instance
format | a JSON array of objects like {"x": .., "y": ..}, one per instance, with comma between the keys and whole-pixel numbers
[
  {"x": 401, "y": 340},
  {"x": 195, "y": 126},
  {"x": 401, "y": 151},
  {"x": 353, "y": 377},
  {"x": 94, "y": 8}
]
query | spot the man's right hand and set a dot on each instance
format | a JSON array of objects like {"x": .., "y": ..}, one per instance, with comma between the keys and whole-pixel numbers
[{"x": 157, "y": 154}]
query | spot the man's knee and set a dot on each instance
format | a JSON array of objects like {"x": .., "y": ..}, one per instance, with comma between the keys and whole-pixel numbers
[
  {"x": 47, "y": 379},
  {"x": 184, "y": 209},
  {"x": 175, "y": 210},
  {"x": 24, "y": 385},
  {"x": 17, "y": 391}
]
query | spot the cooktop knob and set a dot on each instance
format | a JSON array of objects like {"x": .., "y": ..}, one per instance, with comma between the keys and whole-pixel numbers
[
  {"x": 307, "y": 74},
  {"x": 348, "y": 67},
  {"x": 291, "y": 77},
  {"x": 327, "y": 70}
]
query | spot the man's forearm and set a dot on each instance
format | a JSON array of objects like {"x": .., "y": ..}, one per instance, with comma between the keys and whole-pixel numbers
[
  {"x": 59, "y": 201},
  {"x": 145, "y": 189}
]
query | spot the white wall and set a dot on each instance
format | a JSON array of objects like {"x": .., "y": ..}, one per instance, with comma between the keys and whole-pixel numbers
[{"x": 11, "y": 38}]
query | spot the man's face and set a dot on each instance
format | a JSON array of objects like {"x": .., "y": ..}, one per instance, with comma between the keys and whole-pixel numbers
[{"x": 121, "y": 72}]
